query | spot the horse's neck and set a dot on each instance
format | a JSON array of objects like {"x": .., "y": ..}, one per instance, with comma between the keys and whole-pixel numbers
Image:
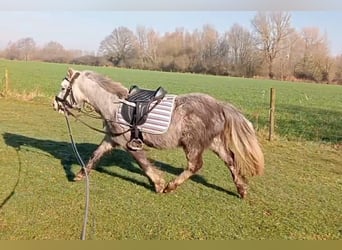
[{"x": 103, "y": 101}]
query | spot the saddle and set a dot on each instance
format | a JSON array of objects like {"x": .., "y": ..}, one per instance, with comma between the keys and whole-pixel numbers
[{"x": 135, "y": 109}]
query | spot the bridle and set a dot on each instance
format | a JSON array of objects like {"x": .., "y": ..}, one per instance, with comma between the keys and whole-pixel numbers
[{"x": 68, "y": 92}]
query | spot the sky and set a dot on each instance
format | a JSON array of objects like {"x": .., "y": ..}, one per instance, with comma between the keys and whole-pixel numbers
[{"x": 85, "y": 27}]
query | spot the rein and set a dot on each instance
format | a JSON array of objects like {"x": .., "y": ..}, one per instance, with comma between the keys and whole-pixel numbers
[
  {"x": 84, "y": 123},
  {"x": 93, "y": 128}
]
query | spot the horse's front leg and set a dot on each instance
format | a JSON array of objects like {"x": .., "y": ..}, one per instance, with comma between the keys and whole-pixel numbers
[
  {"x": 106, "y": 146},
  {"x": 155, "y": 175}
]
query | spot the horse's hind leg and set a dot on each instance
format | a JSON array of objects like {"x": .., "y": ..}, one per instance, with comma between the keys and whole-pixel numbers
[
  {"x": 105, "y": 147},
  {"x": 195, "y": 162},
  {"x": 227, "y": 156},
  {"x": 151, "y": 171}
]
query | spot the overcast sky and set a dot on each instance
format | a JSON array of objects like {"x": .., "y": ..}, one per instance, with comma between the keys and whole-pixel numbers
[{"x": 85, "y": 26}]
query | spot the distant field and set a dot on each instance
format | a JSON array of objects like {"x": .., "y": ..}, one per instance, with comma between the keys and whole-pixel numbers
[{"x": 299, "y": 196}]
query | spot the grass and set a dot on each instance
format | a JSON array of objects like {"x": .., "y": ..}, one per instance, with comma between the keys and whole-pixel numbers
[{"x": 299, "y": 197}]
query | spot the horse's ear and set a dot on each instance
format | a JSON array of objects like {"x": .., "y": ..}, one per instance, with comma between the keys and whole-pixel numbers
[
  {"x": 74, "y": 76},
  {"x": 70, "y": 72}
]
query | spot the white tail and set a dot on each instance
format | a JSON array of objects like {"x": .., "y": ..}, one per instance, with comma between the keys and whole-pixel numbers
[{"x": 241, "y": 139}]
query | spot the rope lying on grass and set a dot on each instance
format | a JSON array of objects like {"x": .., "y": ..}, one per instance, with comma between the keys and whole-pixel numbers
[{"x": 80, "y": 161}]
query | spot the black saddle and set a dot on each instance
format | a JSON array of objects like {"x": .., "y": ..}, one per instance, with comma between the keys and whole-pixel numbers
[
  {"x": 140, "y": 99},
  {"x": 135, "y": 110}
]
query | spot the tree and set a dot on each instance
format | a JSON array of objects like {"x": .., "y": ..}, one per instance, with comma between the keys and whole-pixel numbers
[
  {"x": 242, "y": 51},
  {"x": 53, "y": 52},
  {"x": 26, "y": 47},
  {"x": 171, "y": 51},
  {"x": 11, "y": 51},
  {"x": 22, "y": 49},
  {"x": 272, "y": 29},
  {"x": 120, "y": 47},
  {"x": 287, "y": 58},
  {"x": 337, "y": 76},
  {"x": 209, "y": 49},
  {"x": 315, "y": 62},
  {"x": 148, "y": 41},
  {"x": 192, "y": 50}
]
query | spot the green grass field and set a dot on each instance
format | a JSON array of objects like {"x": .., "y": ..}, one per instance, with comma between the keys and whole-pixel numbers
[
  {"x": 299, "y": 196},
  {"x": 303, "y": 110}
]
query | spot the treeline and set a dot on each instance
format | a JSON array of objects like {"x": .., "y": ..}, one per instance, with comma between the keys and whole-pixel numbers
[
  {"x": 27, "y": 49},
  {"x": 271, "y": 48}
]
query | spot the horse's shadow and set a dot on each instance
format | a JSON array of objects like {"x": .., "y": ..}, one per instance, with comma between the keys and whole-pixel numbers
[{"x": 62, "y": 150}]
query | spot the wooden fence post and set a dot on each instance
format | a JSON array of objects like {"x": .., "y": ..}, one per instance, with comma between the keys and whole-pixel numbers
[
  {"x": 6, "y": 82},
  {"x": 272, "y": 112}
]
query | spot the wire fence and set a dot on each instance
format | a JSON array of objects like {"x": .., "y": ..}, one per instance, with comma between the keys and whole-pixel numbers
[
  {"x": 306, "y": 121},
  {"x": 309, "y": 123}
]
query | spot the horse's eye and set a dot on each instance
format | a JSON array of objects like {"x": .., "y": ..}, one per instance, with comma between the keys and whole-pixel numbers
[{"x": 63, "y": 88}]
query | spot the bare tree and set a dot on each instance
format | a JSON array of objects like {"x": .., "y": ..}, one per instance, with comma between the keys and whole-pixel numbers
[
  {"x": 337, "y": 73},
  {"x": 12, "y": 52},
  {"x": 289, "y": 56},
  {"x": 148, "y": 41},
  {"x": 171, "y": 51},
  {"x": 243, "y": 56},
  {"x": 192, "y": 50},
  {"x": 26, "y": 47},
  {"x": 120, "y": 47},
  {"x": 272, "y": 29},
  {"x": 222, "y": 55},
  {"x": 315, "y": 62},
  {"x": 22, "y": 49},
  {"x": 209, "y": 48},
  {"x": 53, "y": 52}
]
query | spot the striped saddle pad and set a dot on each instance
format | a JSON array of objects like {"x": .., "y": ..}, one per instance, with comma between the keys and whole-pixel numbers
[{"x": 158, "y": 119}]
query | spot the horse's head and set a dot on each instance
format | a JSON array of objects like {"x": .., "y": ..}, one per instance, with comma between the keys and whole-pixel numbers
[{"x": 68, "y": 96}]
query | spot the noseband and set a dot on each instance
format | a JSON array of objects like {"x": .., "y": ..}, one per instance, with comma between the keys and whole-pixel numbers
[{"x": 68, "y": 92}]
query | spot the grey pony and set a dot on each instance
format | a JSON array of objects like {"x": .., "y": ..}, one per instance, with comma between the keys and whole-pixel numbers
[{"x": 198, "y": 122}]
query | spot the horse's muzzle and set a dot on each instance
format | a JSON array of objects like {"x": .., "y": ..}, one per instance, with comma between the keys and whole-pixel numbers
[{"x": 57, "y": 105}]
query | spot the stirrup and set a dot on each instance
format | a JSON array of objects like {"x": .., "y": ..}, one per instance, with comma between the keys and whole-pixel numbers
[{"x": 135, "y": 144}]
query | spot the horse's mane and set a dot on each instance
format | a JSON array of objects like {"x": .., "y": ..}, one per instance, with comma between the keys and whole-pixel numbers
[{"x": 107, "y": 84}]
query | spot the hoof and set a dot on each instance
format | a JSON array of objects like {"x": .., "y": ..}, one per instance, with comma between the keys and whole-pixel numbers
[
  {"x": 243, "y": 195},
  {"x": 79, "y": 177},
  {"x": 242, "y": 192},
  {"x": 169, "y": 188},
  {"x": 160, "y": 187}
]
